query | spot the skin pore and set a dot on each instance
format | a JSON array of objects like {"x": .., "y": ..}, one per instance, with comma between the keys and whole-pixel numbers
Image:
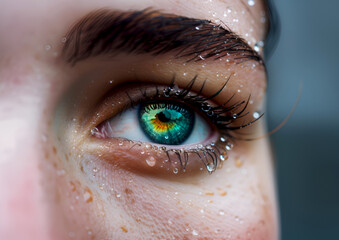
[{"x": 59, "y": 181}]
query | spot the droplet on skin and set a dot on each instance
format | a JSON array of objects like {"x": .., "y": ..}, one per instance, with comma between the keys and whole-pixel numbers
[
  {"x": 48, "y": 47},
  {"x": 221, "y": 213},
  {"x": 175, "y": 170},
  {"x": 251, "y": 2},
  {"x": 95, "y": 170},
  {"x": 195, "y": 233},
  {"x": 151, "y": 161}
]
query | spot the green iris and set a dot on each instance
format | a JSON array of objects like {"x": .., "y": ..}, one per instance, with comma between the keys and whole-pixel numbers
[{"x": 168, "y": 123}]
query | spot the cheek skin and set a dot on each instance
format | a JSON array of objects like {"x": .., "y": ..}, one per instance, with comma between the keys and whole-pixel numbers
[{"x": 235, "y": 202}]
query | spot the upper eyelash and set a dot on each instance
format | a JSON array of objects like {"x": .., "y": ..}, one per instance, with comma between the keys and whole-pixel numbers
[{"x": 218, "y": 115}]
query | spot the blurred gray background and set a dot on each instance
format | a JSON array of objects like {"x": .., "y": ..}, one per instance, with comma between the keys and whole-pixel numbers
[{"x": 307, "y": 147}]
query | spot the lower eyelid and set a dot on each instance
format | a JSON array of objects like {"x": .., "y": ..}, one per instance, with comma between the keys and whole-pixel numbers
[{"x": 149, "y": 159}]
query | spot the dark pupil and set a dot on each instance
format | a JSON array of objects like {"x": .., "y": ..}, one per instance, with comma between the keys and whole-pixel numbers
[{"x": 162, "y": 117}]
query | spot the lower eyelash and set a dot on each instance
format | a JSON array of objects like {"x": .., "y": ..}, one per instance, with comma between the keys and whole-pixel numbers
[{"x": 222, "y": 116}]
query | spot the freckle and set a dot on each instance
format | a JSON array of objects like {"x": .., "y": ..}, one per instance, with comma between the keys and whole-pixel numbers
[
  {"x": 222, "y": 192},
  {"x": 138, "y": 220},
  {"x": 54, "y": 150},
  {"x": 66, "y": 157},
  {"x": 209, "y": 193},
  {"x": 46, "y": 155},
  {"x": 72, "y": 186},
  {"x": 88, "y": 196},
  {"x": 210, "y": 201},
  {"x": 128, "y": 191},
  {"x": 238, "y": 163},
  {"x": 124, "y": 229}
]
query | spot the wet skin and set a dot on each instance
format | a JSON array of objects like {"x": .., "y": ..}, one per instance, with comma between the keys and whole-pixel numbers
[{"x": 60, "y": 182}]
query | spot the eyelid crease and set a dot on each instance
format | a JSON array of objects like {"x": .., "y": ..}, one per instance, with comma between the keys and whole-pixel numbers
[{"x": 148, "y": 31}]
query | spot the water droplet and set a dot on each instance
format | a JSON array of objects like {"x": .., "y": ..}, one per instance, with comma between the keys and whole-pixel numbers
[
  {"x": 175, "y": 170},
  {"x": 121, "y": 143},
  {"x": 256, "y": 115},
  {"x": 222, "y": 139},
  {"x": 184, "y": 74},
  {"x": 166, "y": 137},
  {"x": 151, "y": 161},
  {"x": 170, "y": 222},
  {"x": 235, "y": 116},
  {"x": 202, "y": 211},
  {"x": 223, "y": 157},
  {"x": 48, "y": 47},
  {"x": 201, "y": 57},
  {"x": 235, "y": 20},
  {"x": 218, "y": 230},
  {"x": 225, "y": 14},
  {"x": 256, "y": 48},
  {"x": 195, "y": 233},
  {"x": 118, "y": 195},
  {"x": 221, "y": 213},
  {"x": 95, "y": 170},
  {"x": 197, "y": 28},
  {"x": 210, "y": 167},
  {"x": 251, "y": 2},
  {"x": 64, "y": 39},
  {"x": 229, "y": 10},
  {"x": 229, "y": 146},
  {"x": 111, "y": 81}
]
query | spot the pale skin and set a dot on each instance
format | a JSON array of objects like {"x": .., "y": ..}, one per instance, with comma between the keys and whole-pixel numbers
[{"x": 59, "y": 182}]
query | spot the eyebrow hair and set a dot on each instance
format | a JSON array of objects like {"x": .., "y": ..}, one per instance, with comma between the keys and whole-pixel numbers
[{"x": 106, "y": 32}]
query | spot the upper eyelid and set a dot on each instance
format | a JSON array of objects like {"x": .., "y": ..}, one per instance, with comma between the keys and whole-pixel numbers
[{"x": 106, "y": 31}]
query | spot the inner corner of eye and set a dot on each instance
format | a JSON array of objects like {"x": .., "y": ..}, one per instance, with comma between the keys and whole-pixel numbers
[{"x": 158, "y": 122}]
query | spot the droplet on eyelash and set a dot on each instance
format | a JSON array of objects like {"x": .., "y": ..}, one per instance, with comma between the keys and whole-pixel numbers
[
  {"x": 229, "y": 146},
  {"x": 94, "y": 131},
  {"x": 197, "y": 28},
  {"x": 151, "y": 161},
  {"x": 222, "y": 139},
  {"x": 201, "y": 57},
  {"x": 175, "y": 170},
  {"x": 256, "y": 115},
  {"x": 195, "y": 232},
  {"x": 235, "y": 116},
  {"x": 223, "y": 157},
  {"x": 210, "y": 167},
  {"x": 251, "y": 2}
]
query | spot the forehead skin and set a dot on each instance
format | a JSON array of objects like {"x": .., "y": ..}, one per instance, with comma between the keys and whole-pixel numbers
[{"x": 30, "y": 37}]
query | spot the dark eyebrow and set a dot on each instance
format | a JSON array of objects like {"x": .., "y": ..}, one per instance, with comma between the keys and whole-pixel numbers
[{"x": 106, "y": 32}]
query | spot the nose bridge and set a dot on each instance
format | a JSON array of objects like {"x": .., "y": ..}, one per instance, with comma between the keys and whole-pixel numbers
[{"x": 21, "y": 200}]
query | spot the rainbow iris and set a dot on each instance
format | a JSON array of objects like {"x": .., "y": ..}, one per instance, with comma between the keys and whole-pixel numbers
[{"x": 165, "y": 122}]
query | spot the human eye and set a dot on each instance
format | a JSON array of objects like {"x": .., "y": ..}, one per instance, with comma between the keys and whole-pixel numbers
[{"x": 170, "y": 128}]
